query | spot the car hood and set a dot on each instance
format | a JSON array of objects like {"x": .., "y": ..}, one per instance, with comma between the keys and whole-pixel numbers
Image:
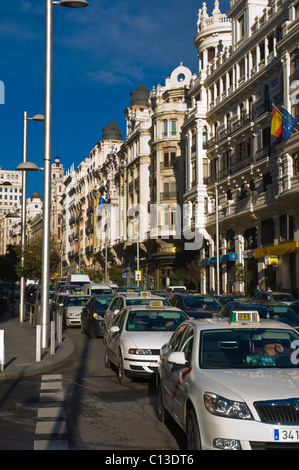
[
  {"x": 149, "y": 339},
  {"x": 254, "y": 385},
  {"x": 74, "y": 309}
]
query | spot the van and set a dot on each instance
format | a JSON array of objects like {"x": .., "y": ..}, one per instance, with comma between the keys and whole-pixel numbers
[
  {"x": 78, "y": 279},
  {"x": 97, "y": 289},
  {"x": 176, "y": 288}
]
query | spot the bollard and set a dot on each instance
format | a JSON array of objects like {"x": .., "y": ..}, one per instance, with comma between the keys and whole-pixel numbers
[
  {"x": 2, "y": 351},
  {"x": 38, "y": 343},
  {"x": 52, "y": 346},
  {"x": 59, "y": 329}
]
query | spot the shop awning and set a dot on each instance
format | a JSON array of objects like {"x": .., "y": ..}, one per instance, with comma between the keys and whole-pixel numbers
[{"x": 277, "y": 250}]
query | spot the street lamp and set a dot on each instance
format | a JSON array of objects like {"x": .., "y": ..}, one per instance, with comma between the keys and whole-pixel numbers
[
  {"x": 24, "y": 167},
  {"x": 45, "y": 277}
]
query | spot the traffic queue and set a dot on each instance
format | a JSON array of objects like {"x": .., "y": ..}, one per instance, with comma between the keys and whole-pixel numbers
[{"x": 226, "y": 369}]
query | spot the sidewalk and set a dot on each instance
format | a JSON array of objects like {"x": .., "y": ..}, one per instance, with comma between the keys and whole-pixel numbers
[{"x": 20, "y": 349}]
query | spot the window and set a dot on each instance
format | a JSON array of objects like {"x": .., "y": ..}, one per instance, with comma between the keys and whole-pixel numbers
[
  {"x": 170, "y": 215},
  {"x": 173, "y": 127},
  {"x": 204, "y": 137},
  {"x": 165, "y": 133},
  {"x": 211, "y": 54},
  {"x": 268, "y": 231},
  {"x": 241, "y": 27},
  {"x": 286, "y": 223}
]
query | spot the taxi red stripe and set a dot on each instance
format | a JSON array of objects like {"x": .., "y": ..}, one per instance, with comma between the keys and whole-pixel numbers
[{"x": 180, "y": 381}]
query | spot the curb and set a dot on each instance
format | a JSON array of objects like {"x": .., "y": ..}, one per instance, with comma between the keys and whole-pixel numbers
[{"x": 50, "y": 363}]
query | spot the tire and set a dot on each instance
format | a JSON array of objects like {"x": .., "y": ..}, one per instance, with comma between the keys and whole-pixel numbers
[
  {"x": 192, "y": 431},
  {"x": 121, "y": 376},
  {"x": 162, "y": 413},
  {"x": 106, "y": 358}
]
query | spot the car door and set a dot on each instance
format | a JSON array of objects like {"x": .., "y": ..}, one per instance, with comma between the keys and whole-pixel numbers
[
  {"x": 168, "y": 369},
  {"x": 113, "y": 335},
  {"x": 180, "y": 376}
]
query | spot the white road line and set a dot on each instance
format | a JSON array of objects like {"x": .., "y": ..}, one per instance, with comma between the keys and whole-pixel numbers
[{"x": 51, "y": 419}]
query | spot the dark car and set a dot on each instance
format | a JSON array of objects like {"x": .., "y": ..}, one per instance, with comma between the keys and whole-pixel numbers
[
  {"x": 266, "y": 309},
  {"x": 224, "y": 299},
  {"x": 92, "y": 315},
  {"x": 295, "y": 306},
  {"x": 196, "y": 305},
  {"x": 284, "y": 297}
]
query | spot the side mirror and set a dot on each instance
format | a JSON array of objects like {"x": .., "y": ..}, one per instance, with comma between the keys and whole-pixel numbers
[
  {"x": 114, "y": 329},
  {"x": 177, "y": 357}
]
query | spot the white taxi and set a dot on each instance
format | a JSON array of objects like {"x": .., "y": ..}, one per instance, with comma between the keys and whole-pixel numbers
[
  {"x": 232, "y": 384},
  {"x": 134, "y": 340}
]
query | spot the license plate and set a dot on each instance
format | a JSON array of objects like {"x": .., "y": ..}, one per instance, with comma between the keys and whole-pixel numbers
[{"x": 286, "y": 434}]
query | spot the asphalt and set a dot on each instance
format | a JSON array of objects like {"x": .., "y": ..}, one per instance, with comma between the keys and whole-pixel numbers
[{"x": 20, "y": 349}]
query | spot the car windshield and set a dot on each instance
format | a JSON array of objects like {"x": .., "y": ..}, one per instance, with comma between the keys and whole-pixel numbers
[
  {"x": 101, "y": 291},
  {"x": 143, "y": 301},
  {"x": 282, "y": 313},
  {"x": 102, "y": 302},
  {"x": 201, "y": 302},
  {"x": 283, "y": 298},
  {"x": 247, "y": 349},
  {"x": 153, "y": 320},
  {"x": 76, "y": 301}
]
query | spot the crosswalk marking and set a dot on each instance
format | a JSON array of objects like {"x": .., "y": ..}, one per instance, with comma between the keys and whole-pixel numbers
[{"x": 51, "y": 415}]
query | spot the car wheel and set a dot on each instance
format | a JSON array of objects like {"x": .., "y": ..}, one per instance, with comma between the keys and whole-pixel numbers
[
  {"x": 106, "y": 358},
  {"x": 192, "y": 431},
  {"x": 163, "y": 414},
  {"x": 121, "y": 376}
]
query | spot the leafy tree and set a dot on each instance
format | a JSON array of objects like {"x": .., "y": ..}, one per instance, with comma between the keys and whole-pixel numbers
[
  {"x": 242, "y": 274},
  {"x": 178, "y": 277},
  {"x": 116, "y": 275},
  {"x": 194, "y": 272},
  {"x": 32, "y": 266}
]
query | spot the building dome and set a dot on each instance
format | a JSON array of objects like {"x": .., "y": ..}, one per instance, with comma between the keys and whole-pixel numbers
[
  {"x": 140, "y": 96},
  {"x": 112, "y": 132},
  {"x": 35, "y": 195}
]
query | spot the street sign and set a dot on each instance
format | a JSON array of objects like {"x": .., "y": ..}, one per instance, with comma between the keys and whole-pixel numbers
[
  {"x": 138, "y": 276},
  {"x": 271, "y": 260}
]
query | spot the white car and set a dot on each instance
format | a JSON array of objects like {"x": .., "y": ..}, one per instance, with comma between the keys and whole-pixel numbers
[
  {"x": 128, "y": 299},
  {"x": 232, "y": 383},
  {"x": 134, "y": 340},
  {"x": 71, "y": 309}
]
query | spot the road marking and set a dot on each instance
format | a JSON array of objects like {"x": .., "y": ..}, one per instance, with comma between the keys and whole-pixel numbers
[{"x": 51, "y": 416}]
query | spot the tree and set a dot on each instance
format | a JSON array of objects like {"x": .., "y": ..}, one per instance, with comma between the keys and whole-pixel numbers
[
  {"x": 194, "y": 272},
  {"x": 178, "y": 277},
  {"x": 116, "y": 275},
  {"x": 32, "y": 266},
  {"x": 242, "y": 275}
]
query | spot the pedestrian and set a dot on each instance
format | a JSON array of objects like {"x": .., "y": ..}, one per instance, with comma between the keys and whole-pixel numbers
[{"x": 257, "y": 289}]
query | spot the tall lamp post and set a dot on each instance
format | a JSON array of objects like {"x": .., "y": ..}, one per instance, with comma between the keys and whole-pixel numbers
[
  {"x": 37, "y": 117},
  {"x": 45, "y": 277}
]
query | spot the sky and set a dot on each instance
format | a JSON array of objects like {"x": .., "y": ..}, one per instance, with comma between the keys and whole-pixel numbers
[{"x": 101, "y": 53}]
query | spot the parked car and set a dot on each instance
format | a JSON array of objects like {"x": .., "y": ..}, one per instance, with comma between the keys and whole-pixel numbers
[
  {"x": 276, "y": 296},
  {"x": 232, "y": 383},
  {"x": 224, "y": 299},
  {"x": 71, "y": 309},
  {"x": 92, "y": 315},
  {"x": 295, "y": 306},
  {"x": 125, "y": 300},
  {"x": 267, "y": 309},
  {"x": 96, "y": 289},
  {"x": 196, "y": 305},
  {"x": 134, "y": 340}
]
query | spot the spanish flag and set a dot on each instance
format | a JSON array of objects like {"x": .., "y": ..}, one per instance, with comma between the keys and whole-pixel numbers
[{"x": 277, "y": 121}]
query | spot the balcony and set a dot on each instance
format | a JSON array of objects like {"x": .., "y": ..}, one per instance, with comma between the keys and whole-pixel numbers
[{"x": 169, "y": 196}]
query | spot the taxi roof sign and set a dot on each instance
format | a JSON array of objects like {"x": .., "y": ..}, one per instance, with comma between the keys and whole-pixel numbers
[
  {"x": 145, "y": 294},
  {"x": 244, "y": 317},
  {"x": 156, "y": 303}
]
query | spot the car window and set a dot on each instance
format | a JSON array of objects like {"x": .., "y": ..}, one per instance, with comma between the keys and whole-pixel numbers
[
  {"x": 187, "y": 344},
  {"x": 154, "y": 320},
  {"x": 247, "y": 349},
  {"x": 119, "y": 304},
  {"x": 176, "y": 339}
]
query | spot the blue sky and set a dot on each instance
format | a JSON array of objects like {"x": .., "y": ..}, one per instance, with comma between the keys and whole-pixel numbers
[{"x": 101, "y": 54}]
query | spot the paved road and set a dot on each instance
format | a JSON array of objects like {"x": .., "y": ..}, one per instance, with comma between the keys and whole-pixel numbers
[{"x": 82, "y": 406}]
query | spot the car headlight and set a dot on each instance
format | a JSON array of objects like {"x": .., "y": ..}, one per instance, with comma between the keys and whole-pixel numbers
[
  {"x": 141, "y": 352},
  {"x": 227, "y": 408},
  {"x": 96, "y": 316}
]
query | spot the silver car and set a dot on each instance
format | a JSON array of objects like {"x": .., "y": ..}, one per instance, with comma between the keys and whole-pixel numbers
[
  {"x": 71, "y": 309},
  {"x": 129, "y": 299},
  {"x": 134, "y": 340}
]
